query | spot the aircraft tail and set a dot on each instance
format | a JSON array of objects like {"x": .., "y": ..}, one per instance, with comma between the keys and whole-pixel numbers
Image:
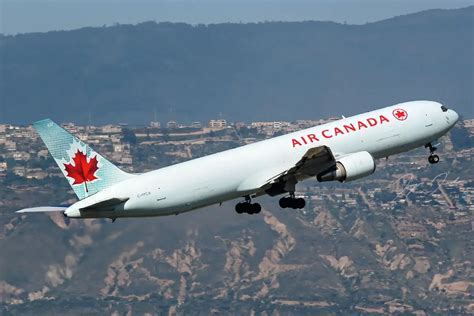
[{"x": 87, "y": 171}]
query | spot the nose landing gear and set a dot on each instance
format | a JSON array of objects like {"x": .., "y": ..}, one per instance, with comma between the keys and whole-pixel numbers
[
  {"x": 248, "y": 207},
  {"x": 432, "y": 159},
  {"x": 292, "y": 202}
]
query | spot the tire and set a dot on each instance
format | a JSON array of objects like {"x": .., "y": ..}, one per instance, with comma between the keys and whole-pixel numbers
[
  {"x": 300, "y": 203},
  {"x": 284, "y": 202},
  {"x": 239, "y": 208},
  {"x": 250, "y": 209},
  {"x": 256, "y": 208},
  {"x": 433, "y": 159}
]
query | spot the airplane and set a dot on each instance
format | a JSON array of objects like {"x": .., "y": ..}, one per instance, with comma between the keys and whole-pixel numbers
[{"x": 342, "y": 150}]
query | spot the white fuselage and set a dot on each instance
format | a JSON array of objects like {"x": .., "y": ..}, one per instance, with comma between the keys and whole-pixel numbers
[{"x": 229, "y": 174}]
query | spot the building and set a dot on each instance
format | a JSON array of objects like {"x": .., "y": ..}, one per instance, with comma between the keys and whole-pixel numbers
[
  {"x": 122, "y": 148},
  {"x": 280, "y": 125},
  {"x": 21, "y": 156},
  {"x": 10, "y": 145},
  {"x": 83, "y": 136},
  {"x": 171, "y": 125},
  {"x": 196, "y": 124},
  {"x": 43, "y": 153},
  {"x": 271, "y": 125},
  {"x": 70, "y": 127},
  {"x": 217, "y": 124},
  {"x": 111, "y": 129},
  {"x": 19, "y": 171},
  {"x": 155, "y": 124},
  {"x": 261, "y": 124}
]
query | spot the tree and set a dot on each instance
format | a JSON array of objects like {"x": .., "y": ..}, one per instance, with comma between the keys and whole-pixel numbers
[{"x": 129, "y": 136}]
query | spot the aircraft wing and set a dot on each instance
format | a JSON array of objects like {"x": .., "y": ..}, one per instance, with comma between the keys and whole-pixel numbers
[
  {"x": 313, "y": 162},
  {"x": 273, "y": 182}
]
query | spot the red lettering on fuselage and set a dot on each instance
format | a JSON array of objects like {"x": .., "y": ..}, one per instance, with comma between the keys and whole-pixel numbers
[
  {"x": 383, "y": 119},
  {"x": 361, "y": 124},
  {"x": 372, "y": 121},
  {"x": 349, "y": 127},
  {"x": 335, "y": 131},
  {"x": 312, "y": 137},
  {"x": 295, "y": 142},
  {"x": 324, "y": 133}
]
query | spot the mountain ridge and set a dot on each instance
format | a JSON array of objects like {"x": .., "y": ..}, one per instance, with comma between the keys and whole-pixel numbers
[{"x": 254, "y": 71}]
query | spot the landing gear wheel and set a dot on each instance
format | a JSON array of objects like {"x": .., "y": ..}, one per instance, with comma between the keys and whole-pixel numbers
[
  {"x": 248, "y": 207},
  {"x": 254, "y": 208},
  {"x": 299, "y": 203},
  {"x": 240, "y": 208},
  {"x": 285, "y": 202},
  {"x": 291, "y": 202},
  {"x": 432, "y": 159}
]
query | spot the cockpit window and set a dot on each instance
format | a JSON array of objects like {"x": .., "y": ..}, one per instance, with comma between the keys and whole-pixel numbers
[{"x": 445, "y": 109}]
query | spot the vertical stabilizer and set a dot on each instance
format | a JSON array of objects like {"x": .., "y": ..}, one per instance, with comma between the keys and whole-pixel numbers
[{"x": 87, "y": 171}]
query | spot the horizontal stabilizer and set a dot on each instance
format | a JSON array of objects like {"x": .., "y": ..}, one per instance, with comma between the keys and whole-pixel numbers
[{"x": 42, "y": 209}]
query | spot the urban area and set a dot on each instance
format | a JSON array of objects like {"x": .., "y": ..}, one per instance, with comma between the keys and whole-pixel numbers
[{"x": 414, "y": 218}]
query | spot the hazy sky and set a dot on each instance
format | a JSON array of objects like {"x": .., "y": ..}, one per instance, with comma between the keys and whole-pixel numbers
[{"x": 18, "y": 16}]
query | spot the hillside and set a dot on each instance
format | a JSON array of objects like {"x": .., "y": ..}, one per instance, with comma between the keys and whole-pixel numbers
[
  {"x": 398, "y": 242},
  {"x": 271, "y": 71}
]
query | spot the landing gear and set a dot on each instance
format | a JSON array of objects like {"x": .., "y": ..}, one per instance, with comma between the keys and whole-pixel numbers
[
  {"x": 292, "y": 202},
  {"x": 248, "y": 207},
  {"x": 432, "y": 159}
]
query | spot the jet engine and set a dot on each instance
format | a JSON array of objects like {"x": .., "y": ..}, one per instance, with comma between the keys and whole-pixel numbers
[{"x": 350, "y": 167}]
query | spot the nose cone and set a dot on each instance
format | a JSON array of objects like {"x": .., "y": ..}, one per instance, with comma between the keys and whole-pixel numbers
[{"x": 453, "y": 116}]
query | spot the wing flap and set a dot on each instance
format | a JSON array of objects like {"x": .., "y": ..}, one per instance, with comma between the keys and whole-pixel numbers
[
  {"x": 313, "y": 162},
  {"x": 260, "y": 179},
  {"x": 272, "y": 181}
]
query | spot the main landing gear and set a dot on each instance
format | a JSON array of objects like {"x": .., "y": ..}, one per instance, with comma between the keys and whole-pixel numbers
[
  {"x": 292, "y": 202},
  {"x": 432, "y": 159},
  {"x": 248, "y": 207}
]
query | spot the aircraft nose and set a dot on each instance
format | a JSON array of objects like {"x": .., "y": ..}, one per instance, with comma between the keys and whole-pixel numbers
[{"x": 454, "y": 117}]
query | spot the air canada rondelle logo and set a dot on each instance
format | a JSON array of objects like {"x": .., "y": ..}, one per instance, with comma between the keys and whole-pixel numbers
[{"x": 400, "y": 114}]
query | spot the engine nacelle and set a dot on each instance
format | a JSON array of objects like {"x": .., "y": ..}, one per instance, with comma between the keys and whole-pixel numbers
[{"x": 350, "y": 167}]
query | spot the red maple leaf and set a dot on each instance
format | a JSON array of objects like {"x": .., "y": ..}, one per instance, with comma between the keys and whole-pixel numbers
[
  {"x": 82, "y": 171},
  {"x": 400, "y": 114}
]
